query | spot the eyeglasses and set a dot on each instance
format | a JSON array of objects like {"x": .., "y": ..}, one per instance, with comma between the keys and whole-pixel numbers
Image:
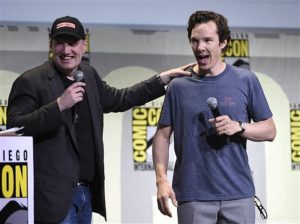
[{"x": 262, "y": 210}]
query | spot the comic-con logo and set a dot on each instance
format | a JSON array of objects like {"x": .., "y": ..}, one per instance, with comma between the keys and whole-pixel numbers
[{"x": 295, "y": 136}]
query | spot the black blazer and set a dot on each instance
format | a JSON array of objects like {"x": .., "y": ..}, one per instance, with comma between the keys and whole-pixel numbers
[{"x": 32, "y": 104}]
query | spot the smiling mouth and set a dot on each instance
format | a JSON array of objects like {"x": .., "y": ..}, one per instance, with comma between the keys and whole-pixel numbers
[{"x": 66, "y": 58}]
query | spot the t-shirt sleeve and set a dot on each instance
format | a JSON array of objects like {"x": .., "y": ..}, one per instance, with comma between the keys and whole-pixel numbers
[
  {"x": 258, "y": 106},
  {"x": 166, "y": 112}
]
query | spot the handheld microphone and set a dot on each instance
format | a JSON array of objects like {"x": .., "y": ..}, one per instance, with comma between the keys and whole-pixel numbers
[
  {"x": 213, "y": 104},
  {"x": 78, "y": 77}
]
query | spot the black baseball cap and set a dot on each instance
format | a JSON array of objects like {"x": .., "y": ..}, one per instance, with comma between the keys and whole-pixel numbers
[{"x": 67, "y": 25}]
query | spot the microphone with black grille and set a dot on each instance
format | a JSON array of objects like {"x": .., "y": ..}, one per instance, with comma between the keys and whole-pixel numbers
[{"x": 78, "y": 77}]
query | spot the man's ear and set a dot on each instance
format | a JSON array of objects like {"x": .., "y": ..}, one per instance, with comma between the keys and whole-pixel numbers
[
  {"x": 50, "y": 42},
  {"x": 223, "y": 44},
  {"x": 85, "y": 45}
]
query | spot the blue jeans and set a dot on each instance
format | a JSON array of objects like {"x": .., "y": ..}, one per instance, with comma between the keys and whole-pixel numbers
[{"x": 81, "y": 210}]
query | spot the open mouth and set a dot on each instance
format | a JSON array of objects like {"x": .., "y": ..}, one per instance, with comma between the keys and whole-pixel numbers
[{"x": 203, "y": 59}]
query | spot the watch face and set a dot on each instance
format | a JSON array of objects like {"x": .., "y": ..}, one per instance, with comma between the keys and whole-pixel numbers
[{"x": 243, "y": 126}]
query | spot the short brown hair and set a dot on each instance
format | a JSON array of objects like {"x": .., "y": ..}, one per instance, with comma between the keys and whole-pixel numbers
[{"x": 199, "y": 17}]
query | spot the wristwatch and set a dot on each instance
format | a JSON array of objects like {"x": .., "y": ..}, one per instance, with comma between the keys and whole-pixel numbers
[{"x": 243, "y": 127}]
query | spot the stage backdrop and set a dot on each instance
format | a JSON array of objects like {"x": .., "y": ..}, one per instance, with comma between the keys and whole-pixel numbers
[{"x": 130, "y": 181}]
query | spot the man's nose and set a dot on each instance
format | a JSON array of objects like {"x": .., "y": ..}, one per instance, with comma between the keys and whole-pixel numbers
[
  {"x": 201, "y": 45},
  {"x": 66, "y": 48}
]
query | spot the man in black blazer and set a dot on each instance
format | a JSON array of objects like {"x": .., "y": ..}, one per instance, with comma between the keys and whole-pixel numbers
[{"x": 65, "y": 118}]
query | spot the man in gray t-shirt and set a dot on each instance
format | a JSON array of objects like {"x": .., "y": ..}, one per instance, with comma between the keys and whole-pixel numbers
[{"x": 212, "y": 179}]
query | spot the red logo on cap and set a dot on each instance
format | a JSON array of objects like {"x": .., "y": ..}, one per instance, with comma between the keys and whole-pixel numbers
[{"x": 65, "y": 24}]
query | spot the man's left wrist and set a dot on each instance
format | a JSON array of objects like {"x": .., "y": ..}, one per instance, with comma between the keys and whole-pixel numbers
[
  {"x": 242, "y": 126},
  {"x": 160, "y": 80}
]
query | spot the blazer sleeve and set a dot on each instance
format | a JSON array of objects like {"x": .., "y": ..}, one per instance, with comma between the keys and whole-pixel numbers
[
  {"x": 31, "y": 105},
  {"x": 119, "y": 100}
]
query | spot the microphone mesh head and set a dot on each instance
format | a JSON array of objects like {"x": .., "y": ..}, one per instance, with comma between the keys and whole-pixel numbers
[
  {"x": 212, "y": 102},
  {"x": 78, "y": 76}
]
